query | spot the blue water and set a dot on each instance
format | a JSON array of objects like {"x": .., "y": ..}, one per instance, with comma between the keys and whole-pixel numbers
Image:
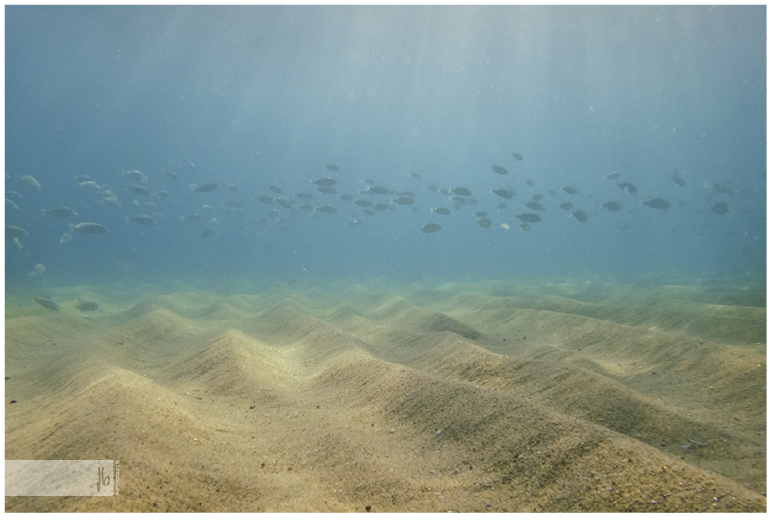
[{"x": 270, "y": 95}]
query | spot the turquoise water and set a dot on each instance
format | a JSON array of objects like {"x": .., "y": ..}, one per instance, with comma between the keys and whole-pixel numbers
[{"x": 254, "y": 96}]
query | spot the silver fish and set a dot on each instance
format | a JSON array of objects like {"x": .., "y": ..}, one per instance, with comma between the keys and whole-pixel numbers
[
  {"x": 430, "y": 227},
  {"x": 325, "y": 181},
  {"x": 60, "y": 212},
  {"x": 89, "y": 228},
  {"x": 47, "y": 303},
  {"x": 657, "y": 203},
  {"x": 325, "y": 208},
  {"x": 144, "y": 220},
  {"x": 529, "y": 217}
]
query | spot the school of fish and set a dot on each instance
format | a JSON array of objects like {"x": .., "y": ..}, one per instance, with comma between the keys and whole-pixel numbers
[{"x": 274, "y": 203}]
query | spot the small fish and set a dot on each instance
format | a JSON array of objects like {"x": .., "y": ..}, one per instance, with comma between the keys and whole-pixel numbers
[
  {"x": 506, "y": 194},
  {"x": 9, "y": 204},
  {"x": 163, "y": 195},
  {"x": 15, "y": 233},
  {"x": 463, "y": 192},
  {"x": 526, "y": 226},
  {"x": 265, "y": 199},
  {"x": 304, "y": 196},
  {"x": 580, "y": 215},
  {"x": 89, "y": 228},
  {"x": 231, "y": 186},
  {"x": 380, "y": 207},
  {"x": 627, "y": 187},
  {"x": 326, "y": 190},
  {"x": 484, "y": 222},
  {"x": 612, "y": 205},
  {"x": 332, "y": 167},
  {"x": 325, "y": 208},
  {"x": 234, "y": 204},
  {"x": 346, "y": 197},
  {"x": 206, "y": 188},
  {"x": 404, "y": 200},
  {"x": 144, "y": 220},
  {"x": 535, "y": 205},
  {"x": 136, "y": 175},
  {"x": 441, "y": 210},
  {"x": 47, "y": 303},
  {"x": 430, "y": 227},
  {"x": 415, "y": 175},
  {"x": 529, "y": 182},
  {"x": 481, "y": 214},
  {"x": 720, "y": 208},
  {"x": 324, "y": 181},
  {"x": 90, "y": 185},
  {"x": 364, "y": 203},
  {"x": 87, "y": 305},
  {"x": 569, "y": 190},
  {"x": 537, "y": 196},
  {"x": 171, "y": 174},
  {"x": 139, "y": 190},
  {"x": 36, "y": 271},
  {"x": 566, "y": 206},
  {"x": 66, "y": 237},
  {"x": 15, "y": 194},
  {"x": 283, "y": 201},
  {"x": 529, "y": 217},
  {"x": 207, "y": 233},
  {"x": 517, "y": 156},
  {"x": 499, "y": 170},
  {"x": 677, "y": 178},
  {"x": 657, "y": 203},
  {"x": 60, "y": 212},
  {"x": 29, "y": 181},
  {"x": 612, "y": 176},
  {"x": 275, "y": 189},
  {"x": 377, "y": 190}
]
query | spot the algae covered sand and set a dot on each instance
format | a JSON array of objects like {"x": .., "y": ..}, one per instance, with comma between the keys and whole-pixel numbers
[{"x": 337, "y": 397}]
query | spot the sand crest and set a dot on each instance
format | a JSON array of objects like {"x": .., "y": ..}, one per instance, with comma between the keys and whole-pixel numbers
[{"x": 462, "y": 397}]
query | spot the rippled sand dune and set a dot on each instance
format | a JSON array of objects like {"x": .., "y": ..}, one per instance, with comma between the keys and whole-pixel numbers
[{"x": 462, "y": 397}]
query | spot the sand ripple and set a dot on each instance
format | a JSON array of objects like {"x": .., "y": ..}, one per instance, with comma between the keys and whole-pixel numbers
[{"x": 553, "y": 398}]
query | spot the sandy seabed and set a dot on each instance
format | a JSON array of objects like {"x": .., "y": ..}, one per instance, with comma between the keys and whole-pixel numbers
[{"x": 469, "y": 397}]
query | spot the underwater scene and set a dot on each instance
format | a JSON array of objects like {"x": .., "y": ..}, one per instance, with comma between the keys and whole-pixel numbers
[{"x": 388, "y": 258}]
